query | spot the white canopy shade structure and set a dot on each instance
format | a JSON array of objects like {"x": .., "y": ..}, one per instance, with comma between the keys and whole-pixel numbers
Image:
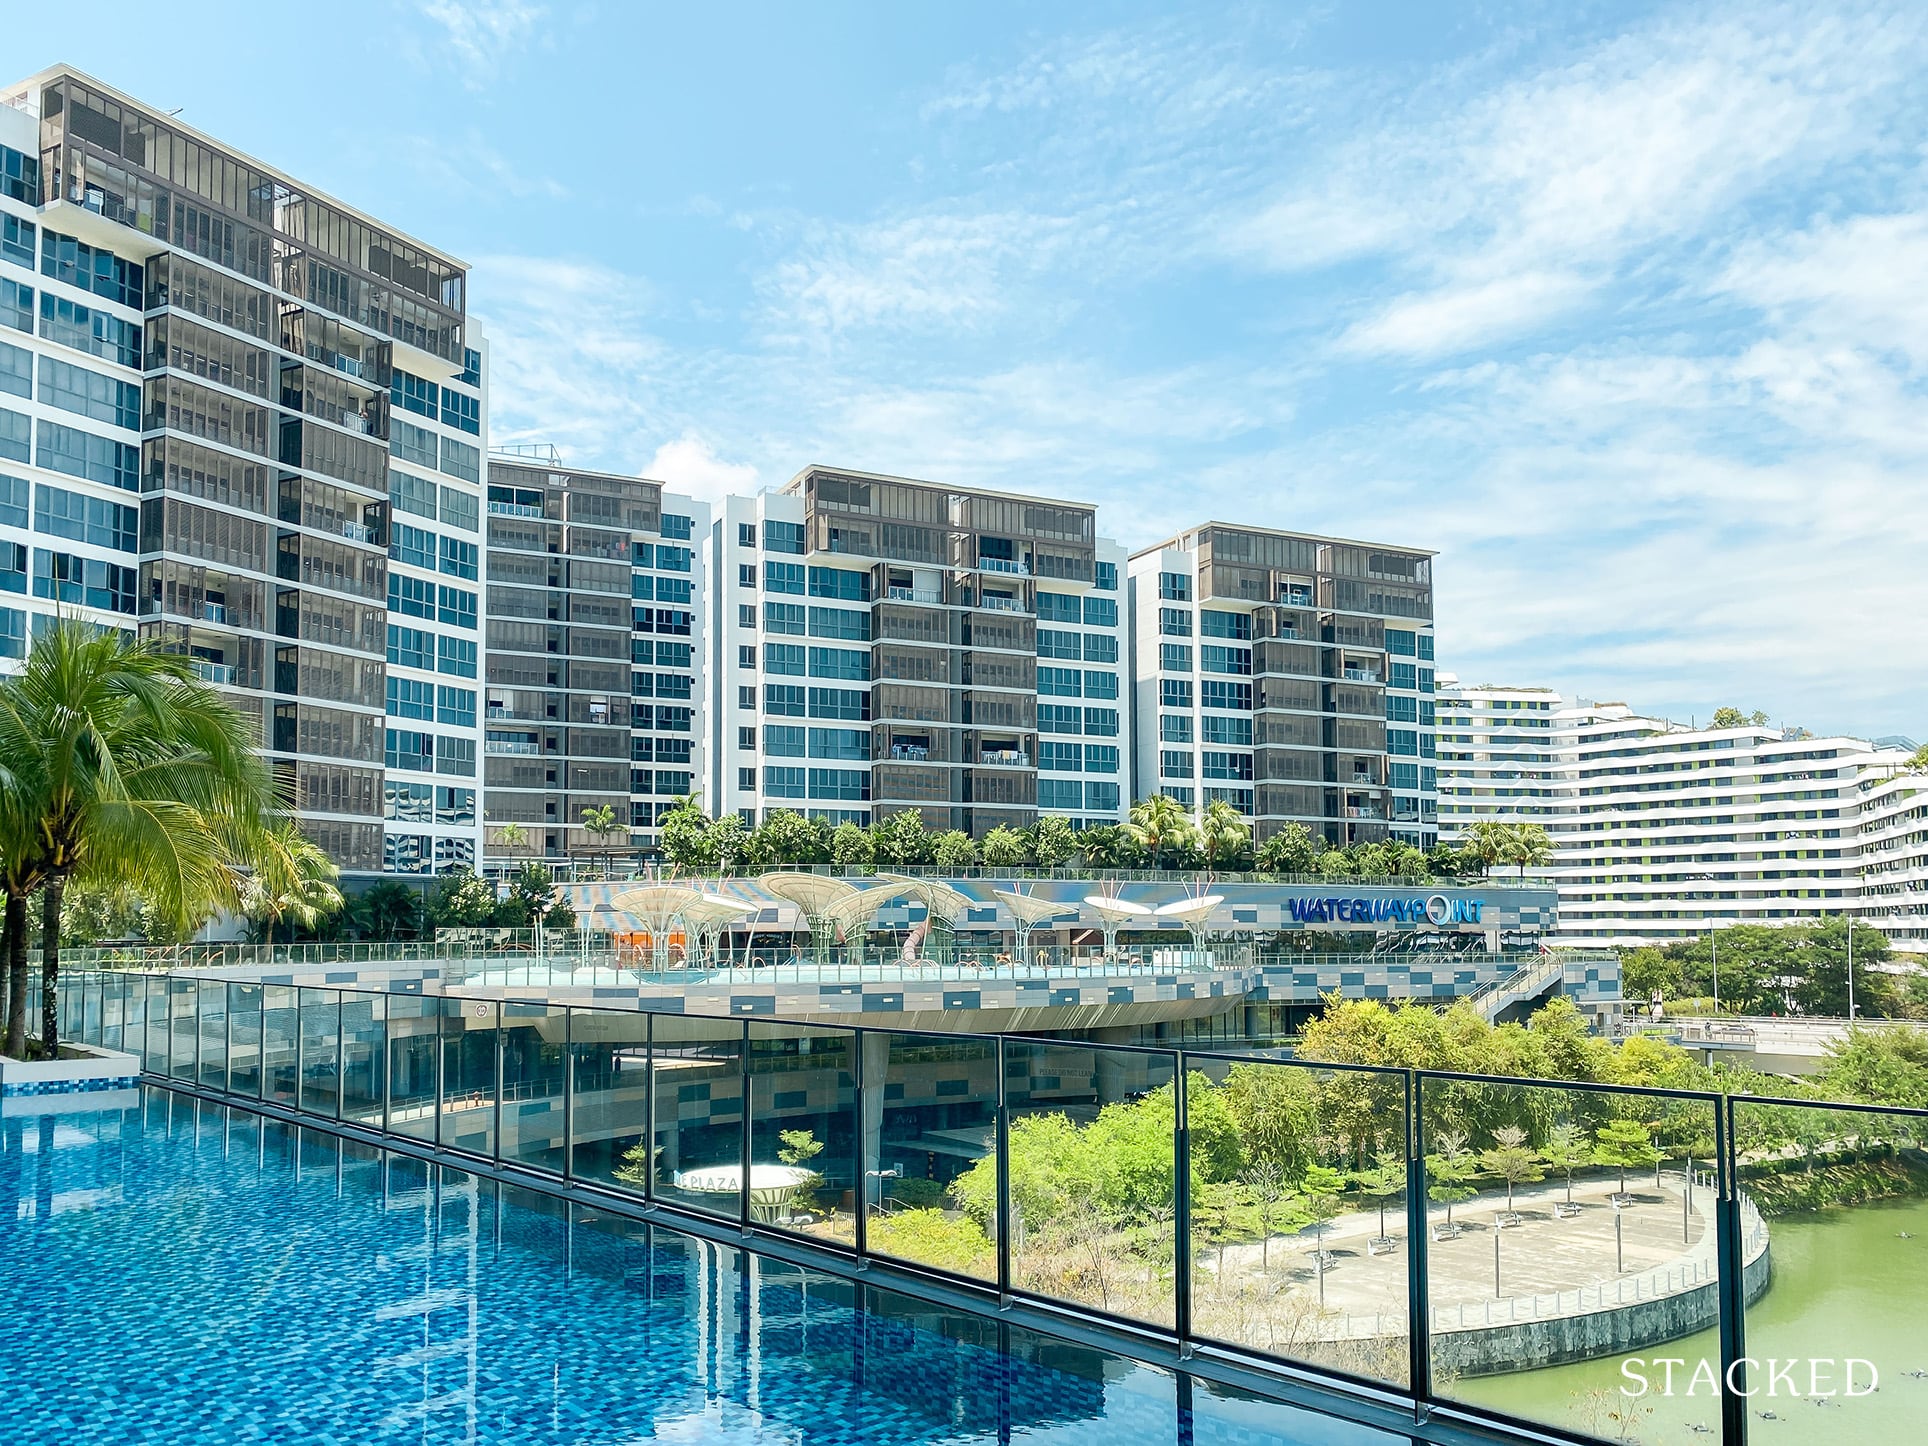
[
  {"x": 1191, "y": 914},
  {"x": 858, "y": 907},
  {"x": 707, "y": 916},
  {"x": 1029, "y": 911},
  {"x": 939, "y": 899},
  {"x": 660, "y": 908},
  {"x": 1113, "y": 914}
]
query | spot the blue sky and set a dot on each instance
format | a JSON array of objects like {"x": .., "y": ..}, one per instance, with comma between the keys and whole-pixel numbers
[{"x": 1622, "y": 308}]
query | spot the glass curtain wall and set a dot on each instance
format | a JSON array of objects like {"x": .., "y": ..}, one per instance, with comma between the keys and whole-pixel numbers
[
  {"x": 930, "y": 1115},
  {"x": 1092, "y": 1145},
  {"x": 471, "y": 1057},
  {"x": 610, "y": 1133},
  {"x": 1570, "y": 1236},
  {"x": 696, "y": 1088},
  {"x": 364, "y": 1058},
  {"x": 804, "y": 1159},
  {"x": 533, "y": 1130},
  {"x": 1298, "y": 1224}
]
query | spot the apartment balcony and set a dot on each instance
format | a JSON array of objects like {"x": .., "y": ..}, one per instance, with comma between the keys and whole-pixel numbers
[
  {"x": 214, "y": 612},
  {"x": 1005, "y": 759},
  {"x": 1003, "y": 565},
  {"x": 1295, "y": 597},
  {"x": 912, "y": 594},
  {"x": 1001, "y": 605},
  {"x": 527, "y": 750},
  {"x": 909, "y": 753},
  {"x": 1364, "y": 810},
  {"x": 218, "y": 673},
  {"x": 1361, "y": 675},
  {"x": 515, "y": 509},
  {"x": 357, "y": 532}
]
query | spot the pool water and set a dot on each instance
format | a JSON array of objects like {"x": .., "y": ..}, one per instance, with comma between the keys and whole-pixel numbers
[{"x": 179, "y": 1273}]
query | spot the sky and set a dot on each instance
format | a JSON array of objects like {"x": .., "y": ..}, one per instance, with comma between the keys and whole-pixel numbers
[{"x": 1622, "y": 308}]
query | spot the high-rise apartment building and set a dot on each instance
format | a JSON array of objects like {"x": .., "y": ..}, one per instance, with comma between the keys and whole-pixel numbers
[
  {"x": 884, "y": 643},
  {"x": 595, "y": 704},
  {"x": 1290, "y": 676},
  {"x": 1663, "y": 831},
  {"x": 204, "y": 366}
]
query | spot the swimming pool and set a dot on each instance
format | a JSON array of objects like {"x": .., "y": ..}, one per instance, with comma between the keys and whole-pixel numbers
[{"x": 181, "y": 1273}]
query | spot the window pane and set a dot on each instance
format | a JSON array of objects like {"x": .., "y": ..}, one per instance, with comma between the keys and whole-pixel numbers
[
  {"x": 803, "y": 1130},
  {"x": 930, "y": 1113},
  {"x": 697, "y": 1066}
]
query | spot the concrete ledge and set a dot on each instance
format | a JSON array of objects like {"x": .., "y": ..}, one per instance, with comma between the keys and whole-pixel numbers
[{"x": 96, "y": 1069}]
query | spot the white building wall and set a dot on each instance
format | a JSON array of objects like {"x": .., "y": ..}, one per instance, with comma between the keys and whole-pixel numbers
[{"x": 1662, "y": 831}]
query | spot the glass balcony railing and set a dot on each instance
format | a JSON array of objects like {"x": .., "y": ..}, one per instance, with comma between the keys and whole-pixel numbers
[
  {"x": 213, "y": 612},
  {"x": 914, "y": 594},
  {"x": 1004, "y": 565},
  {"x": 217, "y": 673},
  {"x": 1005, "y": 758},
  {"x": 1517, "y": 1255}
]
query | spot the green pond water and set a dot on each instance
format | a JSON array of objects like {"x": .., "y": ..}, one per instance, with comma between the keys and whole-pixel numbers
[{"x": 1845, "y": 1283}]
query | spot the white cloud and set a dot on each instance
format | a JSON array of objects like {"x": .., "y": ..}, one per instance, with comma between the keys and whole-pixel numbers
[
  {"x": 1453, "y": 318},
  {"x": 484, "y": 33},
  {"x": 687, "y": 464}
]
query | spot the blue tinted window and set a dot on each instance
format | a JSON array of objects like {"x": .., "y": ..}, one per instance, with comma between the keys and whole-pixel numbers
[
  {"x": 455, "y": 656},
  {"x": 410, "y": 647},
  {"x": 84, "y": 454}
]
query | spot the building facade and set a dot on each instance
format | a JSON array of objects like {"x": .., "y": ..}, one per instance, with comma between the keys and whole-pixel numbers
[
  {"x": 596, "y": 699},
  {"x": 1290, "y": 676},
  {"x": 884, "y": 644},
  {"x": 200, "y": 363},
  {"x": 1662, "y": 831}
]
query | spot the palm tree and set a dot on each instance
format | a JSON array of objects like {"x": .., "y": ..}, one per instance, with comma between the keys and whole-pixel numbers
[
  {"x": 1486, "y": 844},
  {"x": 121, "y": 764},
  {"x": 293, "y": 879},
  {"x": 601, "y": 822},
  {"x": 511, "y": 836},
  {"x": 1225, "y": 834},
  {"x": 1527, "y": 845},
  {"x": 1157, "y": 824},
  {"x": 20, "y": 877}
]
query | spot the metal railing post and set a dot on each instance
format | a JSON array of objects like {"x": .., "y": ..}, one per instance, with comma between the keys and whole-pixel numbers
[
  {"x": 569, "y": 1095},
  {"x": 743, "y": 1196},
  {"x": 1001, "y": 1144},
  {"x": 1419, "y": 1324},
  {"x": 1181, "y": 1207},
  {"x": 1731, "y": 1288}
]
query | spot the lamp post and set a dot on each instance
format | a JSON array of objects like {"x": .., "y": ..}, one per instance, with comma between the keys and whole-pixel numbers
[{"x": 1850, "y": 969}]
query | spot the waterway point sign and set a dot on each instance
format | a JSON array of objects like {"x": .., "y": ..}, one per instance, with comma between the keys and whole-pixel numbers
[{"x": 1434, "y": 909}]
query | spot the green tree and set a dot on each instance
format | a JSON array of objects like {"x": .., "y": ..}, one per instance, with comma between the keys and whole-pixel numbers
[
  {"x": 1276, "y": 1113},
  {"x": 1334, "y": 864},
  {"x": 603, "y": 825},
  {"x": 462, "y": 900},
  {"x": 1107, "y": 846},
  {"x": 1385, "y": 1179},
  {"x": 1053, "y": 840},
  {"x": 1158, "y": 826},
  {"x": 297, "y": 884},
  {"x": 118, "y": 762},
  {"x": 1450, "y": 1170},
  {"x": 1486, "y": 844},
  {"x": 726, "y": 841},
  {"x": 511, "y": 837},
  {"x": 1734, "y": 718},
  {"x": 1566, "y": 1150},
  {"x": 1511, "y": 1160},
  {"x": 1821, "y": 969},
  {"x": 534, "y": 896},
  {"x": 1624, "y": 1145},
  {"x": 852, "y": 847},
  {"x": 901, "y": 841},
  {"x": 786, "y": 839},
  {"x": 1527, "y": 846},
  {"x": 1003, "y": 847},
  {"x": 955, "y": 850},
  {"x": 682, "y": 833},
  {"x": 1291, "y": 850},
  {"x": 390, "y": 909},
  {"x": 1879, "y": 1066},
  {"x": 1225, "y": 835}
]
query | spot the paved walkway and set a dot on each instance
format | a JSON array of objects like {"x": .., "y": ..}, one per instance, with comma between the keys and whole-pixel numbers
[{"x": 1547, "y": 1265}]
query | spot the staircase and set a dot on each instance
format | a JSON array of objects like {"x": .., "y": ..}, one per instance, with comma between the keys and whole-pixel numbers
[{"x": 1529, "y": 981}]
